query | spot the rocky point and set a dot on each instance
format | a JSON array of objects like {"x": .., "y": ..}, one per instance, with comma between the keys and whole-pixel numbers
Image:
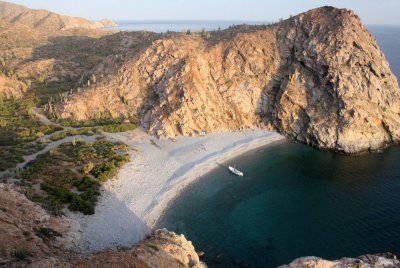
[{"x": 318, "y": 78}]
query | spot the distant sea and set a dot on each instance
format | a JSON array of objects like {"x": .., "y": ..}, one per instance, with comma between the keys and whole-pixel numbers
[
  {"x": 296, "y": 201},
  {"x": 179, "y": 26},
  {"x": 388, "y": 38}
]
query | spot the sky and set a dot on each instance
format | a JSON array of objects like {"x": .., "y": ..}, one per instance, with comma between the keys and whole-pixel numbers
[{"x": 370, "y": 11}]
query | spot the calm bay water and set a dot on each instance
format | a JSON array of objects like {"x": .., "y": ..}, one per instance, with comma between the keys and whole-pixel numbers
[
  {"x": 296, "y": 201},
  {"x": 388, "y": 38}
]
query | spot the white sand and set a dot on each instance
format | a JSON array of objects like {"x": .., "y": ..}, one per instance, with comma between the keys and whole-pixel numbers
[{"x": 132, "y": 203}]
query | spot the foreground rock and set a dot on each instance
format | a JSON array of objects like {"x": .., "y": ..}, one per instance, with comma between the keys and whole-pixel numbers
[
  {"x": 162, "y": 249},
  {"x": 30, "y": 237},
  {"x": 28, "y": 233},
  {"x": 318, "y": 78},
  {"x": 386, "y": 260}
]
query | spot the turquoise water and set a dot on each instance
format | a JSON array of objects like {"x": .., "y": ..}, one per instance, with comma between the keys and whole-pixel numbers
[
  {"x": 296, "y": 201},
  {"x": 293, "y": 201}
]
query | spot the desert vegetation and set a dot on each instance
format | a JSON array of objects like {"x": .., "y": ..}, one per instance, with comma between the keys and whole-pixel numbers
[
  {"x": 71, "y": 174},
  {"x": 19, "y": 130},
  {"x": 41, "y": 68}
]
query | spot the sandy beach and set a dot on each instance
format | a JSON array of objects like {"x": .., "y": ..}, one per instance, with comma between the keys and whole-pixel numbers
[{"x": 133, "y": 202}]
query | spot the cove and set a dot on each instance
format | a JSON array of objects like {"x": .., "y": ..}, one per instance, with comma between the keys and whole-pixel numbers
[{"x": 293, "y": 201}]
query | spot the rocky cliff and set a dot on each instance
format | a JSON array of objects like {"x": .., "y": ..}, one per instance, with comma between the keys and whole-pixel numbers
[
  {"x": 46, "y": 20},
  {"x": 318, "y": 78},
  {"x": 30, "y": 237},
  {"x": 27, "y": 232}
]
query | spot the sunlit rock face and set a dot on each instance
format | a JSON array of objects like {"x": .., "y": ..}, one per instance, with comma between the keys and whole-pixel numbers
[{"x": 318, "y": 78}]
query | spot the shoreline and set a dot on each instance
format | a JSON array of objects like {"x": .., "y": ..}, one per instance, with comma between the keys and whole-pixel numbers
[
  {"x": 132, "y": 204},
  {"x": 198, "y": 175},
  {"x": 231, "y": 157}
]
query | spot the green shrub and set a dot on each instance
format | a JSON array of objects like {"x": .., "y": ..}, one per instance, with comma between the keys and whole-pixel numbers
[
  {"x": 114, "y": 128},
  {"x": 121, "y": 159},
  {"x": 104, "y": 171},
  {"x": 34, "y": 169},
  {"x": 48, "y": 233},
  {"x": 85, "y": 153},
  {"x": 21, "y": 254},
  {"x": 61, "y": 135},
  {"x": 61, "y": 194},
  {"x": 104, "y": 148},
  {"x": 87, "y": 183},
  {"x": 88, "y": 131},
  {"x": 78, "y": 204},
  {"x": 90, "y": 195},
  {"x": 83, "y": 203}
]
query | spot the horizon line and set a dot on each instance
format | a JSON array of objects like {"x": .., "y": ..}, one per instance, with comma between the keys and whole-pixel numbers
[{"x": 219, "y": 20}]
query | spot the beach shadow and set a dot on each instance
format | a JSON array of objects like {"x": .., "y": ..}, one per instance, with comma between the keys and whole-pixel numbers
[{"x": 113, "y": 225}]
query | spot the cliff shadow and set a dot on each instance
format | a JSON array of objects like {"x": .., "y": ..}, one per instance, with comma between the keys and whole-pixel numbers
[
  {"x": 301, "y": 85},
  {"x": 113, "y": 225}
]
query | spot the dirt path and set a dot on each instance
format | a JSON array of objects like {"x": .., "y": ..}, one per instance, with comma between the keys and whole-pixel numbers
[
  {"x": 55, "y": 144},
  {"x": 38, "y": 112},
  {"x": 49, "y": 146}
]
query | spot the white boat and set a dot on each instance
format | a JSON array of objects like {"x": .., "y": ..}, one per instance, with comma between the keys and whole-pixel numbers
[{"x": 235, "y": 171}]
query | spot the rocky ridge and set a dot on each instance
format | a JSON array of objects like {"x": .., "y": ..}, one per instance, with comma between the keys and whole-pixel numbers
[
  {"x": 46, "y": 20},
  {"x": 318, "y": 78}
]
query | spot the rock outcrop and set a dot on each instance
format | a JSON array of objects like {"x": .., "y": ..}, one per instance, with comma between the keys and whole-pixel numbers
[
  {"x": 162, "y": 249},
  {"x": 28, "y": 232},
  {"x": 386, "y": 260},
  {"x": 318, "y": 78},
  {"x": 46, "y": 20},
  {"x": 30, "y": 237},
  {"x": 108, "y": 23}
]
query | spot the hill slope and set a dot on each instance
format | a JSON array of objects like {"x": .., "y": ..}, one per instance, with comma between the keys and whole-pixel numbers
[
  {"x": 45, "y": 20},
  {"x": 32, "y": 238},
  {"x": 318, "y": 78}
]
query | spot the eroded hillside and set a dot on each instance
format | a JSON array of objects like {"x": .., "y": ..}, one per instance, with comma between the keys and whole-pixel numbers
[
  {"x": 318, "y": 78},
  {"x": 45, "y": 20}
]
